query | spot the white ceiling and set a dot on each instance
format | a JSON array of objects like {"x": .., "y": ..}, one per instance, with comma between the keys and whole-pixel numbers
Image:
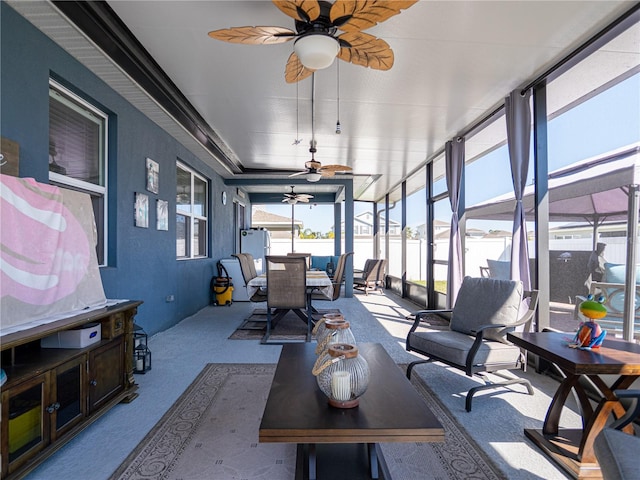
[{"x": 455, "y": 61}]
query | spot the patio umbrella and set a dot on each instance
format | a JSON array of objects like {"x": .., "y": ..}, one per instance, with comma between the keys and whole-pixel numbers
[{"x": 596, "y": 190}]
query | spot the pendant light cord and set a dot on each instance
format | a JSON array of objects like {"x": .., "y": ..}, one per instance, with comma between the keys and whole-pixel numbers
[
  {"x": 338, "y": 126},
  {"x": 312, "y": 148}
]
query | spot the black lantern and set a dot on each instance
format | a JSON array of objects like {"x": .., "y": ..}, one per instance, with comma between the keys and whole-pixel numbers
[{"x": 141, "y": 352}]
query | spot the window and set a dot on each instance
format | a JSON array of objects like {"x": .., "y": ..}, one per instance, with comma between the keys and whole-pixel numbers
[
  {"x": 416, "y": 230},
  {"x": 78, "y": 153},
  {"x": 191, "y": 214}
]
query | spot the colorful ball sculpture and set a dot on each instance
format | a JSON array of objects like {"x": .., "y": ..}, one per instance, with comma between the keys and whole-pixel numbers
[{"x": 590, "y": 334}]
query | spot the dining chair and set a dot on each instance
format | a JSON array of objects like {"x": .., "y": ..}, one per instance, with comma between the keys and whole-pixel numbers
[
  {"x": 287, "y": 290},
  {"x": 306, "y": 256},
  {"x": 337, "y": 280},
  {"x": 248, "y": 269}
]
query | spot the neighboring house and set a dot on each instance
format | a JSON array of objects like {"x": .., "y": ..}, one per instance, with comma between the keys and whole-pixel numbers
[
  {"x": 363, "y": 225},
  {"x": 279, "y": 226}
]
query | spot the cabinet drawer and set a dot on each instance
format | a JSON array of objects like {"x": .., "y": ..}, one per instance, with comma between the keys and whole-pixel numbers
[{"x": 114, "y": 326}]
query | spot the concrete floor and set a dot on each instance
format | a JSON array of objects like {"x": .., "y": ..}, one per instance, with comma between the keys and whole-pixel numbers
[{"x": 179, "y": 354}]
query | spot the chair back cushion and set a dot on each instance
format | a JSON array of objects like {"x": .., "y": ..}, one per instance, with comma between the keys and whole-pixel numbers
[
  {"x": 247, "y": 266},
  {"x": 486, "y": 301},
  {"x": 286, "y": 281}
]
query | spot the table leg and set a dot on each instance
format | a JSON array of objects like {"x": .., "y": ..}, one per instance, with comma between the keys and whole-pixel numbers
[
  {"x": 373, "y": 461},
  {"x": 552, "y": 419},
  {"x": 573, "y": 448},
  {"x": 311, "y": 455}
]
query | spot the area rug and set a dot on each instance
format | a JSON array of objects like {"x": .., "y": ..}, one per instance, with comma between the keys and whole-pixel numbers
[
  {"x": 211, "y": 432},
  {"x": 289, "y": 327}
]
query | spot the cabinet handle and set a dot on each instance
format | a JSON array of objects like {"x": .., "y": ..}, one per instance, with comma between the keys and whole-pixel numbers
[
  {"x": 119, "y": 325},
  {"x": 53, "y": 407},
  {"x": 93, "y": 383}
]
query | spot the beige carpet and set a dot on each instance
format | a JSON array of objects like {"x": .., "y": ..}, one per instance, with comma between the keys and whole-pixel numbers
[{"x": 211, "y": 432}]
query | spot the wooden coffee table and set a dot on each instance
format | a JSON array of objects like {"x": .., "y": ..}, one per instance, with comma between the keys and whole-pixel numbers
[{"x": 297, "y": 411}]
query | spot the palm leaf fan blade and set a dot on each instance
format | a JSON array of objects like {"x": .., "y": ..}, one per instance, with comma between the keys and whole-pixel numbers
[
  {"x": 253, "y": 35},
  {"x": 294, "y": 71},
  {"x": 303, "y": 10},
  {"x": 356, "y": 15},
  {"x": 365, "y": 50},
  {"x": 335, "y": 168}
]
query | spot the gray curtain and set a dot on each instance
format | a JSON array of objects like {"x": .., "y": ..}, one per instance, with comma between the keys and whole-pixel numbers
[
  {"x": 454, "y": 161},
  {"x": 518, "y": 113}
]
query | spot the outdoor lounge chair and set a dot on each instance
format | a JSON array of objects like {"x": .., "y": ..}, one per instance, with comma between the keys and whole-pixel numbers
[
  {"x": 371, "y": 277},
  {"x": 486, "y": 309},
  {"x": 616, "y": 447}
]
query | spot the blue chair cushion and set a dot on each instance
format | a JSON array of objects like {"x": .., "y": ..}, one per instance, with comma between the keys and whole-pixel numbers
[
  {"x": 319, "y": 262},
  {"x": 615, "y": 273}
]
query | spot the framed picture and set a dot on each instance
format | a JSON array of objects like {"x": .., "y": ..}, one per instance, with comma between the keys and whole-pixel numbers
[
  {"x": 162, "y": 214},
  {"x": 153, "y": 174},
  {"x": 141, "y": 210}
]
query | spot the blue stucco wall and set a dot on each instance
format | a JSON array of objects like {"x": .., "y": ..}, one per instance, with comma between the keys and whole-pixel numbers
[{"x": 142, "y": 262}]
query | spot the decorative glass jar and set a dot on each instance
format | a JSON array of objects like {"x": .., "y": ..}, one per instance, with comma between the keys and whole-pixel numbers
[
  {"x": 342, "y": 375},
  {"x": 319, "y": 326},
  {"x": 334, "y": 331}
]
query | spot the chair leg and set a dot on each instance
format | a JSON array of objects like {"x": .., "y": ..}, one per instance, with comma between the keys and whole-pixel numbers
[
  {"x": 487, "y": 386},
  {"x": 413, "y": 364},
  {"x": 268, "y": 332}
]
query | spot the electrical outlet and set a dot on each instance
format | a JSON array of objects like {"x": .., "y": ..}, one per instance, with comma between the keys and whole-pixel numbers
[{"x": 170, "y": 298}]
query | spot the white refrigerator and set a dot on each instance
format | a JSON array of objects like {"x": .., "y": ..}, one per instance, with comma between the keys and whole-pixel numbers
[{"x": 257, "y": 242}]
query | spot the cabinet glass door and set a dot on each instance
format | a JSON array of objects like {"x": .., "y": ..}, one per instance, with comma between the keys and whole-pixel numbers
[
  {"x": 66, "y": 405},
  {"x": 25, "y": 422}
]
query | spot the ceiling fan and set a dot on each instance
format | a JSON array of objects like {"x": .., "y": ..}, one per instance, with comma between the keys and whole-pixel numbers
[
  {"x": 316, "y": 38},
  {"x": 314, "y": 170},
  {"x": 292, "y": 198}
]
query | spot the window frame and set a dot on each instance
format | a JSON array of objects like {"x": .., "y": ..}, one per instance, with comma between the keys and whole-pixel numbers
[
  {"x": 92, "y": 189},
  {"x": 192, "y": 216}
]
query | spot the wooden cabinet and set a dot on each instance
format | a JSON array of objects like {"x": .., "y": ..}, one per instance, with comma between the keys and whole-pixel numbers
[{"x": 53, "y": 393}]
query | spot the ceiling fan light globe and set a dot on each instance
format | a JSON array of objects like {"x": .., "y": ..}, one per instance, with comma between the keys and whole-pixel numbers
[
  {"x": 313, "y": 177},
  {"x": 292, "y": 201},
  {"x": 316, "y": 51}
]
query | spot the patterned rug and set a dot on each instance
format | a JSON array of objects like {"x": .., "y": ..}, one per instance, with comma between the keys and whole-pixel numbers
[
  {"x": 211, "y": 432},
  {"x": 290, "y": 327}
]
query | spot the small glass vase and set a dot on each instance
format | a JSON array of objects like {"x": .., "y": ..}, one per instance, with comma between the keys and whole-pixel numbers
[
  {"x": 335, "y": 331},
  {"x": 342, "y": 375},
  {"x": 319, "y": 327}
]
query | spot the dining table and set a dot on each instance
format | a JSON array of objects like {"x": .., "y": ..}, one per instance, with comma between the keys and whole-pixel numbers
[{"x": 317, "y": 282}]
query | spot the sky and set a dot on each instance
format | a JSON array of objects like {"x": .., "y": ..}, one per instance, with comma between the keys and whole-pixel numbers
[{"x": 608, "y": 121}]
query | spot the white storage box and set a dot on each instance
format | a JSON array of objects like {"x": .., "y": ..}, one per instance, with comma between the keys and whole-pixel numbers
[{"x": 75, "y": 338}]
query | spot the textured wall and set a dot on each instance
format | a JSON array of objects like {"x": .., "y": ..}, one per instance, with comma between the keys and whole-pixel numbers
[{"x": 142, "y": 262}]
